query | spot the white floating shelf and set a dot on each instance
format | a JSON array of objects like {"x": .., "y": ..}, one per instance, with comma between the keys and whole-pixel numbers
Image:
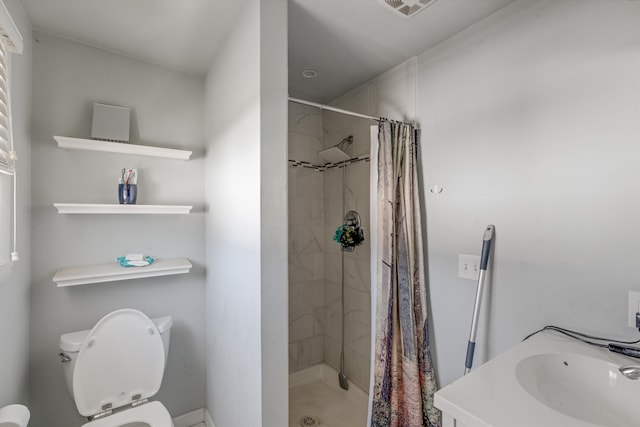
[
  {"x": 86, "y": 208},
  {"x": 121, "y": 148},
  {"x": 71, "y": 276}
]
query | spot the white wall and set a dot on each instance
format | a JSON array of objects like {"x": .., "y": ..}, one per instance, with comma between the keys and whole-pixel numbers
[
  {"x": 246, "y": 296},
  {"x": 232, "y": 120},
  {"x": 167, "y": 111},
  {"x": 530, "y": 122},
  {"x": 392, "y": 94},
  {"x": 273, "y": 211},
  {"x": 15, "y": 291}
]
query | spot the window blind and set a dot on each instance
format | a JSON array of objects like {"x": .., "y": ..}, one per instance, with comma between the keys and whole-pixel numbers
[
  {"x": 10, "y": 42},
  {"x": 7, "y": 154}
]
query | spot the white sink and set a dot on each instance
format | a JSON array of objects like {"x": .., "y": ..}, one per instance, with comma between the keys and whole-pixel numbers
[
  {"x": 548, "y": 380},
  {"x": 582, "y": 387}
]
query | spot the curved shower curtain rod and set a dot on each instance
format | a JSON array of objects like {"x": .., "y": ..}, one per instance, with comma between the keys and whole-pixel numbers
[{"x": 347, "y": 112}]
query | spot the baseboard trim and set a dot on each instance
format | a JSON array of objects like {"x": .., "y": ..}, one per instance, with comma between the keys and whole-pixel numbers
[
  {"x": 207, "y": 419},
  {"x": 189, "y": 419}
]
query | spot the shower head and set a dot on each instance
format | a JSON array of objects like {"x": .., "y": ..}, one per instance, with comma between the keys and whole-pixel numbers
[
  {"x": 406, "y": 8},
  {"x": 336, "y": 154}
]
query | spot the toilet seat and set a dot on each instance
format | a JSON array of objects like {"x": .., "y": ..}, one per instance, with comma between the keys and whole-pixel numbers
[
  {"x": 153, "y": 413},
  {"x": 129, "y": 340}
]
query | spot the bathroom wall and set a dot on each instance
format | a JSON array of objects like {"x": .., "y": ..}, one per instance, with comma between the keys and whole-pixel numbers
[
  {"x": 530, "y": 122},
  {"x": 246, "y": 290},
  {"x": 392, "y": 95},
  {"x": 167, "y": 111},
  {"x": 15, "y": 291},
  {"x": 274, "y": 90},
  {"x": 306, "y": 240}
]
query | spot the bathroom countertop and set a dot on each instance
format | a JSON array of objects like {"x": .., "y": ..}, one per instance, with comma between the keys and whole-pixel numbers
[{"x": 491, "y": 395}]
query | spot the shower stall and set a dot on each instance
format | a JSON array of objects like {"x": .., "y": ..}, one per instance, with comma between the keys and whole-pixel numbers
[{"x": 329, "y": 288}]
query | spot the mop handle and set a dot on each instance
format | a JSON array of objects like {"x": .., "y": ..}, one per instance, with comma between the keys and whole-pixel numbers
[{"x": 487, "y": 239}]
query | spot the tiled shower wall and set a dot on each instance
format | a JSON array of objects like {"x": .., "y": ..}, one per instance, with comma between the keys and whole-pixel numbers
[
  {"x": 315, "y": 211},
  {"x": 357, "y": 276},
  {"x": 306, "y": 240}
]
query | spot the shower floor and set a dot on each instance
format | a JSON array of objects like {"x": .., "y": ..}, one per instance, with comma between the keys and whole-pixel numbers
[{"x": 316, "y": 399}]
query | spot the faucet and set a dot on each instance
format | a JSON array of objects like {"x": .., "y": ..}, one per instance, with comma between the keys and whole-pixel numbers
[{"x": 630, "y": 371}]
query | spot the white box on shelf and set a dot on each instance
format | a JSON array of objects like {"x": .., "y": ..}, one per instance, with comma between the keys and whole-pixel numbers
[{"x": 110, "y": 123}]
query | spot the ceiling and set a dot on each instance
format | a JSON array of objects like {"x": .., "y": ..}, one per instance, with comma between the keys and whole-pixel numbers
[
  {"x": 347, "y": 42},
  {"x": 181, "y": 34}
]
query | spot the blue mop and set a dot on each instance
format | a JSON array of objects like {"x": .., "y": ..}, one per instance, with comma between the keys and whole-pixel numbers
[{"x": 487, "y": 239}]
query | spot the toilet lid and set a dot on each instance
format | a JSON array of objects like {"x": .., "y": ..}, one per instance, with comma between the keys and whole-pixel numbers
[
  {"x": 153, "y": 414},
  {"x": 121, "y": 357}
]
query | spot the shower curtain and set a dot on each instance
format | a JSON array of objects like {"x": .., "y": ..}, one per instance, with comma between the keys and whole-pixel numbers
[{"x": 404, "y": 380}]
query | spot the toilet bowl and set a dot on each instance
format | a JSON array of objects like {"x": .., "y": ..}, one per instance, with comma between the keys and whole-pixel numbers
[{"x": 113, "y": 369}]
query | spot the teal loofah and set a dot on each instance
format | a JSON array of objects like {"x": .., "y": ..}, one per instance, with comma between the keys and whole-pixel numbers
[{"x": 349, "y": 236}]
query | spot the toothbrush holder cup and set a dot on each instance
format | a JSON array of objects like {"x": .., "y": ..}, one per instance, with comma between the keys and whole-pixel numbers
[{"x": 127, "y": 194}]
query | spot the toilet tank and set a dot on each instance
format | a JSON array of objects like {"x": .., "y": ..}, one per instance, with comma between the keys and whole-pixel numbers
[{"x": 70, "y": 343}]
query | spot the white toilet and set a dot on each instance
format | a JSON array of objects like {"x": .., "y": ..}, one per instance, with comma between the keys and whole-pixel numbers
[{"x": 118, "y": 363}]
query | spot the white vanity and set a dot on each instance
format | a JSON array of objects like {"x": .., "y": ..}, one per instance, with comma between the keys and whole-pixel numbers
[{"x": 549, "y": 380}]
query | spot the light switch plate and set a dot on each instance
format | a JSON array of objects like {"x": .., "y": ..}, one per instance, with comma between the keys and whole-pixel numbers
[{"x": 468, "y": 266}]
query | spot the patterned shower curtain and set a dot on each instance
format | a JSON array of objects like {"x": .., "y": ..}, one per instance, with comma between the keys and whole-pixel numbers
[{"x": 404, "y": 379}]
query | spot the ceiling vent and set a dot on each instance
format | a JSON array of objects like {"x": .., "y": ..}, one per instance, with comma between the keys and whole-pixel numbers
[{"x": 406, "y": 8}]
